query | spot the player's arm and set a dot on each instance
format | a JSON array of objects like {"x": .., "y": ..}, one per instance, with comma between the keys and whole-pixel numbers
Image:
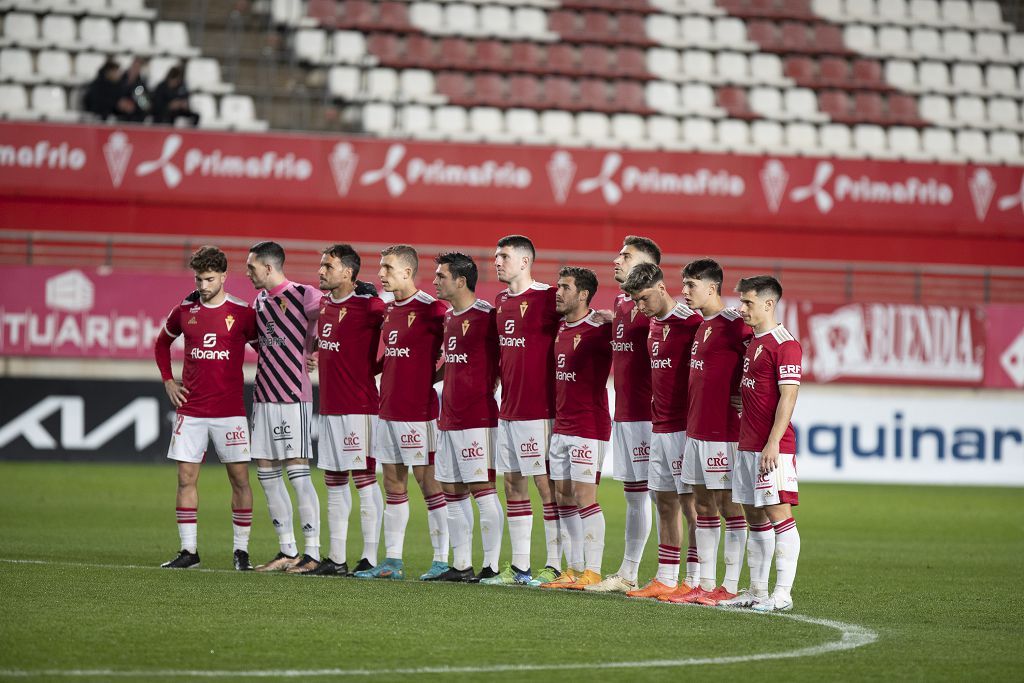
[
  {"x": 783, "y": 415},
  {"x": 439, "y": 373},
  {"x": 162, "y": 351}
]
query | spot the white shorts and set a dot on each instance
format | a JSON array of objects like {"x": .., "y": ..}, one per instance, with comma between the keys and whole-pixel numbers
[
  {"x": 406, "y": 443},
  {"x": 192, "y": 435},
  {"x": 282, "y": 431},
  {"x": 522, "y": 446},
  {"x": 631, "y": 450},
  {"x": 751, "y": 488},
  {"x": 465, "y": 456},
  {"x": 345, "y": 442},
  {"x": 576, "y": 458},
  {"x": 709, "y": 463},
  {"x": 666, "y": 464}
]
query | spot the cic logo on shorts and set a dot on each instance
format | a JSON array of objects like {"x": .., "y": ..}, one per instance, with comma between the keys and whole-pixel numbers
[{"x": 282, "y": 432}]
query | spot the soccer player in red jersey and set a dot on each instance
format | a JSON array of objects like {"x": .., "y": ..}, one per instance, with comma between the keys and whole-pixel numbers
[
  {"x": 286, "y": 314},
  {"x": 527, "y": 324},
  {"x": 712, "y": 429},
  {"x": 668, "y": 343},
  {"x": 631, "y": 430},
  {"x": 412, "y": 332},
  {"x": 765, "y": 480},
  {"x": 209, "y": 400},
  {"x": 348, "y": 332},
  {"x": 583, "y": 360},
  {"x": 469, "y": 414}
]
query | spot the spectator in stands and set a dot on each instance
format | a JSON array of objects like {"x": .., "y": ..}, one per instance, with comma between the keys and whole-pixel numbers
[
  {"x": 133, "y": 86},
  {"x": 170, "y": 99},
  {"x": 105, "y": 97}
]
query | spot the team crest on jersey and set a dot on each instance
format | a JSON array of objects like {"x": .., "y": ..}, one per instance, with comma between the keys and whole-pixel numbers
[
  {"x": 707, "y": 333},
  {"x": 757, "y": 351},
  {"x": 576, "y": 341},
  {"x": 342, "y": 313},
  {"x": 465, "y": 327},
  {"x": 193, "y": 321},
  {"x": 664, "y": 333},
  {"x": 522, "y": 308},
  {"x": 282, "y": 304},
  {"x": 230, "y": 322},
  {"x": 632, "y": 314},
  {"x": 411, "y": 318}
]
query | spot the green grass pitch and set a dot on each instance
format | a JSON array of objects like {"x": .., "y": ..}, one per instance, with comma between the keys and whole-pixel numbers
[{"x": 933, "y": 572}]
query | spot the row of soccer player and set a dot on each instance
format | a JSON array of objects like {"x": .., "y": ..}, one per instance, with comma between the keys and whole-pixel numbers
[{"x": 703, "y": 400}]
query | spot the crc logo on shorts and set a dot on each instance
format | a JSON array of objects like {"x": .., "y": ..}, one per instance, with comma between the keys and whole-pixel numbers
[
  {"x": 283, "y": 431},
  {"x": 581, "y": 455},
  {"x": 642, "y": 453},
  {"x": 530, "y": 449},
  {"x": 412, "y": 440},
  {"x": 351, "y": 443},
  {"x": 764, "y": 481},
  {"x": 719, "y": 462},
  {"x": 677, "y": 467},
  {"x": 238, "y": 436},
  {"x": 474, "y": 451}
]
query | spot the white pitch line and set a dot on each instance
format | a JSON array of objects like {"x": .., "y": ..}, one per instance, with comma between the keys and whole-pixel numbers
[{"x": 851, "y": 636}]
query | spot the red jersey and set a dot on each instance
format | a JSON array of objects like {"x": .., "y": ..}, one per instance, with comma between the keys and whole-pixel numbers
[
  {"x": 715, "y": 367},
  {"x": 583, "y": 359},
  {"x": 470, "y": 368},
  {"x": 215, "y": 339},
  {"x": 412, "y": 344},
  {"x": 632, "y": 364},
  {"x": 348, "y": 332},
  {"x": 527, "y": 324},
  {"x": 772, "y": 358},
  {"x": 668, "y": 344}
]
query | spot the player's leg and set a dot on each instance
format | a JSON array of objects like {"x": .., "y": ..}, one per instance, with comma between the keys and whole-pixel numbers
[
  {"x": 297, "y": 469},
  {"x": 460, "y": 534},
  {"x": 334, "y": 462},
  {"x": 396, "y": 512},
  {"x": 592, "y": 518},
  {"x": 270, "y": 473},
  {"x": 241, "y": 513},
  {"x": 787, "y": 554},
  {"x": 437, "y": 519},
  {"x": 371, "y": 513},
  {"x": 491, "y": 526},
  {"x": 186, "y": 508},
  {"x": 661, "y": 480},
  {"x": 708, "y": 526},
  {"x": 519, "y": 512},
  {"x": 735, "y": 538},
  {"x": 569, "y": 523},
  {"x": 760, "y": 540},
  {"x": 634, "y": 444}
]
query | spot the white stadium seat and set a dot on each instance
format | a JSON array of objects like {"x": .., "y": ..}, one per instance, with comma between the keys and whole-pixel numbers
[
  {"x": 87, "y": 65},
  {"x": 382, "y": 84},
  {"x": 487, "y": 123},
  {"x": 51, "y": 102},
  {"x": 203, "y": 74},
  {"x": 134, "y": 36},
  {"x": 205, "y": 105},
  {"x": 905, "y": 142},
  {"x": 938, "y": 143},
  {"x": 972, "y": 144},
  {"x": 558, "y": 125},
  {"x": 378, "y": 117},
  {"x": 60, "y": 30},
  {"x": 418, "y": 85},
  {"x": 14, "y": 102},
  {"x": 698, "y": 133},
  {"x": 522, "y": 124},
  {"x": 16, "y": 65},
  {"x": 239, "y": 112},
  {"x": 349, "y": 47},
  {"x": 629, "y": 130},
  {"x": 426, "y": 16},
  {"x": 802, "y": 137},
  {"x": 1005, "y": 146},
  {"x": 171, "y": 37},
  {"x": 593, "y": 127},
  {"x": 836, "y": 138},
  {"x": 310, "y": 45},
  {"x": 768, "y": 136},
  {"x": 97, "y": 33},
  {"x": 663, "y": 131},
  {"x": 158, "y": 68},
  {"x": 901, "y": 74},
  {"x": 871, "y": 140},
  {"x": 450, "y": 120},
  {"x": 54, "y": 66},
  {"x": 734, "y": 135},
  {"x": 416, "y": 120},
  {"x": 344, "y": 82}
]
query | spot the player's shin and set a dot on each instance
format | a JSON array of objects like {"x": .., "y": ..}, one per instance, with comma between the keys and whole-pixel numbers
[
  {"x": 339, "y": 507},
  {"x": 459, "y": 531},
  {"x": 638, "y": 528},
  {"x": 279, "y": 504},
  {"x": 593, "y": 527},
  {"x": 371, "y": 512},
  {"x": 309, "y": 507},
  {"x": 735, "y": 541},
  {"x": 491, "y": 525},
  {"x": 787, "y": 553}
]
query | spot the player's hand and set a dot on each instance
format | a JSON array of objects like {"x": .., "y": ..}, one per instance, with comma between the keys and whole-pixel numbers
[
  {"x": 311, "y": 361},
  {"x": 737, "y": 403},
  {"x": 769, "y": 458},
  {"x": 603, "y": 316},
  {"x": 176, "y": 392}
]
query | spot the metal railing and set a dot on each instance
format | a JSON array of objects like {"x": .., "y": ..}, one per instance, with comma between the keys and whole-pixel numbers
[{"x": 825, "y": 281}]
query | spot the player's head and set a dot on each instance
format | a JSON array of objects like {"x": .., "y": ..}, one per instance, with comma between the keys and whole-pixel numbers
[
  {"x": 759, "y": 296},
  {"x": 265, "y": 264},
  {"x": 635, "y": 250},
  {"x": 455, "y": 273},
  {"x": 646, "y": 287},
  {"x": 513, "y": 257},
  {"x": 211, "y": 268},
  {"x": 702, "y": 282},
  {"x": 339, "y": 264},
  {"x": 576, "y": 289},
  {"x": 398, "y": 266}
]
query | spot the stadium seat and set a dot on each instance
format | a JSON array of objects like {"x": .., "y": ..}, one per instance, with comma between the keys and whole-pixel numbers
[
  {"x": 629, "y": 130},
  {"x": 133, "y": 35},
  {"x": 51, "y": 102},
  {"x": 16, "y": 65},
  {"x": 392, "y": 16},
  {"x": 924, "y": 12},
  {"x": 957, "y": 44},
  {"x": 1005, "y": 146},
  {"x": 97, "y": 33},
  {"x": 730, "y": 33},
  {"x": 523, "y": 124},
  {"x": 355, "y": 14},
  {"x": 527, "y": 57},
  {"x": 1004, "y": 113},
  {"x": 87, "y": 65},
  {"x": 453, "y": 85},
  {"x": 956, "y": 12},
  {"x": 132, "y": 9},
  {"x": 496, "y": 21},
  {"x": 768, "y": 136},
  {"x": 903, "y": 110},
  {"x": 801, "y": 103},
  {"x": 836, "y": 104},
  {"x": 171, "y": 37},
  {"x": 860, "y": 38},
  {"x": 938, "y": 144},
  {"x": 487, "y": 123},
  {"x": 871, "y": 140},
  {"x": 558, "y": 127},
  {"x": 348, "y": 47},
  {"x": 663, "y": 131},
  {"x": 734, "y": 101},
  {"x": 382, "y": 84},
  {"x": 532, "y": 22},
  {"x": 698, "y": 134},
  {"x": 205, "y": 105},
  {"x": 1000, "y": 78},
  {"x": 490, "y": 54},
  {"x": 663, "y": 62},
  {"x": 238, "y": 112},
  {"x": 733, "y": 67},
  {"x": 21, "y": 29},
  {"x": 662, "y": 97},
  {"x": 629, "y": 63},
  {"x": 203, "y": 75},
  {"x": 594, "y": 128},
  {"x": 286, "y": 12},
  {"x": 426, "y": 16},
  {"x": 933, "y": 76},
  {"x": 893, "y": 41},
  {"x": 378, "y": 117},
  {"x": 734, "y": 135},
  {"x": 596, "y": 60},
  {"x": 559, "y": 93},
  {"x": 698, "y": 99},
  {"x": 698, "y": 65},
  {"x": 867, "y": 73},
  {"x": 344, "y": 82},
  {"x": 867, "y": 107},
  {"x": 905, "y": 142},
  {"x": 796, "y": 38},
  {"x": 801, "y": 69},
  {"x": 766, "y": 69},
  {"x": 936, "y": 108},
  {"x": 1015, "y": 48},
  {"x": 972, "y": 144},
  {"x": 54, "y": 66},
  {"x": 901, "y": 74},
  {"x": 630, "y": 28},
  {"x": 836, "y": 139},
  {"x": 158, "y": 68},
  {"x": 455, "y": 53},
  {"x": 594, "y": 95},
  {"x": 310, "y": 46},
  {"x": 524, "y": 90},
  {"x": 489, "y": 90},
  {"x": 60, "y": 31},
  {"x": 990, "y": 46},
  {"x": 14, "y": 103},
  {"x": 987, "y": 14},
  {"x": 969, "y": 111},
  {"x": 892, "y": 11},
  {"x": 967, "y": 77},
  {"x": 926, "y": 42},
  {"x": 563, "y": 58},
  {"x": 461, "y": 20},
  {"x": 802, "y": 138},
  {"x": 663, "y": 29},
  {"x": 766, "y": 101},
  {"x": 417, "y": 85}
]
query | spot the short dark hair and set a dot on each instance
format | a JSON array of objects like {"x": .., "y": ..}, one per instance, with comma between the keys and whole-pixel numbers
[
  {"x": 762, "y": 285},
  {"x": 584, "y": 278},
  {"x": 644, "y": 246},
  {"x": 208, "y": 259},
  {"x": 459, "y": 265},
  {"x": 175, "y": 72},
  {"x": 643, "y": 276},
  {"x": 706, "y": 269},
  {"x": 269, "y": 252},
  {"x": 404, "y": 253},
  {"x": 347, "y": 255},
  {"x": 518, "y": 242}
]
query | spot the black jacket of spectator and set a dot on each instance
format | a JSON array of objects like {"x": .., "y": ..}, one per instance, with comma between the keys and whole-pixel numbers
[
  {"x": 102, "y": 96},
  {"x": 170, "y": 100}
]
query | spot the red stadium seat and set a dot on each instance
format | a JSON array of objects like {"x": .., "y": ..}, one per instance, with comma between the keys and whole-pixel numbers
[
  {"x": 834, "y": 72},
  {"x": 524, "y": 91},
  {"x": 597, "y": 26},
  {"x": 795, "y": 36},
  {"x": 393, "y": 16},
  {"x": 564, "y": 24},
  {"x": 563, "y": 58},
  {"x": 492, "y": 55},
  {"x": 631, "y": 62},
  {"x": 828, "y": 38},
  {"x": 385, "y": 47},
  {"x": 631, "y": 29},
  {"x": 835, "y": 103},
  {"x": 528, "y": 57},
  {"x": 734, "y": 101},
  {"x": 594, "y": 94},
  {"x": 629, "y": 96},
  {"x": 559, "y": 93},
  {"x": 800, "y": 69},
  {"x": 420, "y": 51},
  {"x": 903, "y": 110},
  {"x": 764, "y": 33},
  {"x": 324, "y": 11},
  {"x": 489, "y": 90},
  {"x": 453, "y": 85},
  {"x": 596, "y": 60},
  {"x": 867, "y": 73},
  {"x": 867, "y": 107},
  {"x": 456, "y": 53},
  {"x": 358, "y": 14}
]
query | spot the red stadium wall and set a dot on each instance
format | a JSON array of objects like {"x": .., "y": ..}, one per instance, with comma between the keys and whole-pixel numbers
[{"x": 159, "y": 180}]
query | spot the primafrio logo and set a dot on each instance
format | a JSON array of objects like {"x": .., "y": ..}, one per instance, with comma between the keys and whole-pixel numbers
[
  {"x": 827, "y": 191},
  {"x": 398, "y": 176},
  {"x": 215, "y": 163},
  {"x": 616, "y": 179}
]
